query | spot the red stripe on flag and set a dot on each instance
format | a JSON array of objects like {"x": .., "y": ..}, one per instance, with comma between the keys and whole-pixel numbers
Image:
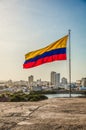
[{"x": 44, "y": 60}]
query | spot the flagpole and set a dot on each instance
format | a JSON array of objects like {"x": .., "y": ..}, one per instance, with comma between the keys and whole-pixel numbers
[{"x": 69, "y": 64}]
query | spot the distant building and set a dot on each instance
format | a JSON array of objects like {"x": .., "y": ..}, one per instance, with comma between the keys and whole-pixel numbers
[
  {"x": 39, "y": 83},
  {"x": 20, "y": 83},
  {"x": 82, "y": 88},
  {"x": 9, "y": 83},
  {"x": 2, "y": 85},
  {"x": 30, "y": 80},
  {"x": 83, "y": 82},
  {"x": 55, "y": 79},
  {"x": 64, "y": 81},
  {"x": 45, "y": 83},
  {"x": 36, "y": 88},
  {"x": 78, "y": 83}
]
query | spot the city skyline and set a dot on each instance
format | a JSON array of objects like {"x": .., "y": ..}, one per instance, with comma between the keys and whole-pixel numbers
[
  {"x": 52, "y": 77},
  {"x": 30, "y": 25}
]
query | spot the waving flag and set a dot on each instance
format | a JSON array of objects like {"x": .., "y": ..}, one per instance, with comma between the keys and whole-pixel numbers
[{"x": 53, "y": 52}]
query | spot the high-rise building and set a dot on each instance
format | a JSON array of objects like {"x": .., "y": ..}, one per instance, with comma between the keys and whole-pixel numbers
[
  {"x": 55, "y": 79},
  {"x": 30, "y": 80}
]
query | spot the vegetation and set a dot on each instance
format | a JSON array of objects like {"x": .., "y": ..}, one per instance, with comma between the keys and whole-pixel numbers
[
  {"x": 21, "y": 97},
  {"x": 44, "y": 92}
]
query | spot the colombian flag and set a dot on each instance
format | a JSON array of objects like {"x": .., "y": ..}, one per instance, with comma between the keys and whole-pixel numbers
[{"x": 53, "y": 52}]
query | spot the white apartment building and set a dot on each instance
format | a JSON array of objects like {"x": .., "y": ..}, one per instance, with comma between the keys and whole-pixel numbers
[
  {"x": 30, "y": 80},
  {"x": 55, "y": 79}
]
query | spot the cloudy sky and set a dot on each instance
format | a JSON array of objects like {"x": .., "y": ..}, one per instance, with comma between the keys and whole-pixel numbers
[{"x": 27, "y": 25}]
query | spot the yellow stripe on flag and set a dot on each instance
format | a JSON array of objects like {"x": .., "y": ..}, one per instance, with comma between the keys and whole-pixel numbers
[{"x": 61, "y": 43}]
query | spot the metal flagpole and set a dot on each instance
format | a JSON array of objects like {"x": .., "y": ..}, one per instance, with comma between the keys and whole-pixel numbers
[{"x": 69, "y": 64}]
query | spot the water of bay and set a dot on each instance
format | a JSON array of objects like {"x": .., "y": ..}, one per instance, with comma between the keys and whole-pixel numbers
[{"x": 62, "y": 95}]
